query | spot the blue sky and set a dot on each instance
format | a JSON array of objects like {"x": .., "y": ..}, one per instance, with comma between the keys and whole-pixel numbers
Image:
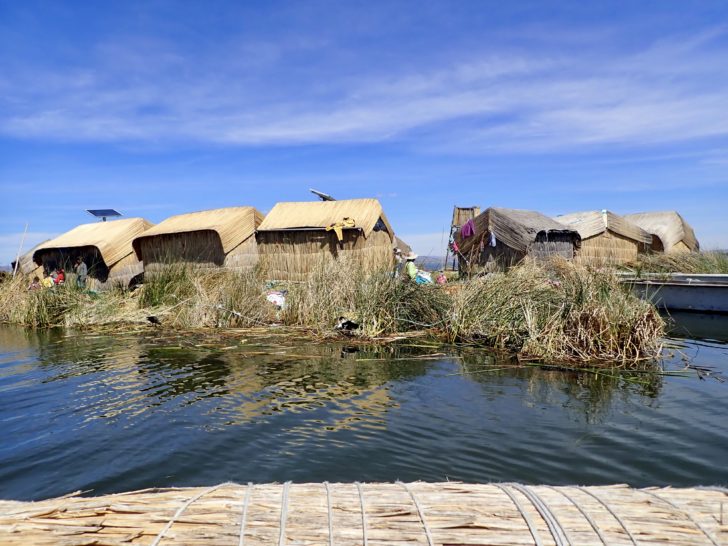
[{"x": 158, "y": 108}]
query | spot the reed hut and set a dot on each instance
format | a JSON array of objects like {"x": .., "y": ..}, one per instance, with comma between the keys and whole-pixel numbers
[
  {"x": 294, "y": 237},
  {"x": 104, "y": 246},
  {"x": 500, "y": 238},
  {"x": 209, "y": 238},
  {"x": 670, "y": 232},
  {"x": 607, "y": 238}
]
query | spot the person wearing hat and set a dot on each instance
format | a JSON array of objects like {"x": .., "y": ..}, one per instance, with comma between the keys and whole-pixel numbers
[{"x": 410, "y": 268}]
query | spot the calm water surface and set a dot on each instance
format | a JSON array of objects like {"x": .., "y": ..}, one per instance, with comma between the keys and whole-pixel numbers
[{"x": 113, "y": 413}]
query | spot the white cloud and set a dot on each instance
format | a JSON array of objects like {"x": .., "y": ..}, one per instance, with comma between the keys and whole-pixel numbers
[{"x": 672, "y": 90}]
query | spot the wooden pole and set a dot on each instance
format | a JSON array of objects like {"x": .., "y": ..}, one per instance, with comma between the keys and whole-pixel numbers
[{"x": 20, "y": 249}]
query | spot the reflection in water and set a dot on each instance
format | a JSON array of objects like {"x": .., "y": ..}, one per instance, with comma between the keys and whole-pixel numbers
[
  {"x": 698, "y": 325},
  {"x": 112, "y": 413},
  {"x": 589, "y": 394}
]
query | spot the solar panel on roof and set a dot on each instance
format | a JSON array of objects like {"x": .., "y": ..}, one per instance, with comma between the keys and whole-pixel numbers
[{"x": 103, "y": 213}]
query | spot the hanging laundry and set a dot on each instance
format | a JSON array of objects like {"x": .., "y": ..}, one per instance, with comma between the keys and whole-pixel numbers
[
  {"x": 339, "y": 227},
  {"x": 468, "y": 229}
]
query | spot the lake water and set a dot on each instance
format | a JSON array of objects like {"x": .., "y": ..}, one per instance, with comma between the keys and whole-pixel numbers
[{"x": 128, "y": 411}]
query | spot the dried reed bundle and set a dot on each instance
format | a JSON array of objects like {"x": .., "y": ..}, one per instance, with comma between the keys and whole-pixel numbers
[{"x": 557, "y": 311}]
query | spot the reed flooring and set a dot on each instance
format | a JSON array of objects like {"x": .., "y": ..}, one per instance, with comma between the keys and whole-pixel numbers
[{"x": 373, "y": 514}]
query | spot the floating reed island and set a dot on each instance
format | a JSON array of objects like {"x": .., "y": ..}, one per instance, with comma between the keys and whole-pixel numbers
[
  {"x": 430, "y": 514},
  {"x": 550, "y": 310}
]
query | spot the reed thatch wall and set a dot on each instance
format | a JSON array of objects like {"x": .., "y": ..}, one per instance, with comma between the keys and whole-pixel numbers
[
  {"x": 206, "y": 239},
  {"x": 607, "y": 238},
  {"x": 609, "y": 248},
  {"x": 503, "y": 237},
  {"x": 293, "y": 255},
  {"x": 292, "y": 239}
]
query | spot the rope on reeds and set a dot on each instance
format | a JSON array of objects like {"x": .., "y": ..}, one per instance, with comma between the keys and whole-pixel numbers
[
  {"x": 284, "y": 514},
  {"x": 420, "y": 512},
  {"x": 248, "y": 494},
  {"x": 181, "y": 509},
  {"x": 676, "y": 507},
  {"x": 583, "y": 513},
  {"x": 609, "y": 509},
  {"x": 557, "y": 531},
  {"x": 363, "y": 515},
  {"x": 524, "y": 514},
  {"x": 331, "y": 519}
]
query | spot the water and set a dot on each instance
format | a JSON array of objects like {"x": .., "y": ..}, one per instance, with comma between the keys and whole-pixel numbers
[{"x": 113, "y": 413}]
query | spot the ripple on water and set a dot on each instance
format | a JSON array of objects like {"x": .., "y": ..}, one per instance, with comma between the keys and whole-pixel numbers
[{"x": 116, "y": 413}]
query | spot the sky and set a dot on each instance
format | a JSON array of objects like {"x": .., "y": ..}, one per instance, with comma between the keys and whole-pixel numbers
[{"x": 158, "y": 108}]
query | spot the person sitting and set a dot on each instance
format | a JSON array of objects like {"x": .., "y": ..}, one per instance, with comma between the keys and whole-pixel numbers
[
  {"x": 35, "y": 285},
  {"x": 48, "y": 282},
  {"x": 60, "y": 276},
  {"x": 441, "y": 278},
  {"x": 410, "y": 268}
]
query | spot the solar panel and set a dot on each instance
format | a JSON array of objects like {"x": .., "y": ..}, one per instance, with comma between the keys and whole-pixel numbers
[{"x": 103, "y": 213}]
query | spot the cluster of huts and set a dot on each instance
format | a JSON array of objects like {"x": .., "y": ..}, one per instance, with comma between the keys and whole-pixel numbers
[
  {"x": 286, "y": 243},
  {"x": 499, "y": 237}
]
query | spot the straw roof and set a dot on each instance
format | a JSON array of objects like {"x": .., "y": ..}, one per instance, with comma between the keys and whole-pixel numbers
[
  {"x": 320, "y": 214},
  {"x": 232, "y": 224},
  {"x": 669, "y": 226},
  {"x": 592, "y": 223},
  {"x": 516, "y": 228},
  {"x": 112, "y": 239}
]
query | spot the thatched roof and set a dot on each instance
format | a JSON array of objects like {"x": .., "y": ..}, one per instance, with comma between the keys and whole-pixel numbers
[
  {"x": 232, "y": 224},
  {"x": 669, "y": 226},
  {"x": 516, "y": 228},
  {"x": 595, "y": 222},
  {"x": 321, "y": 214},
  {"x": 112, "y": 239}
]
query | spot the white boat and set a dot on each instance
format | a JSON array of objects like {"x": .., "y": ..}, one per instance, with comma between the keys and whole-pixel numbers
[{"x": 683, "y": 292}]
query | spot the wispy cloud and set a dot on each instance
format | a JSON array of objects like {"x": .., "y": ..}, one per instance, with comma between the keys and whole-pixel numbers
[{"x": 671, "y": 90}]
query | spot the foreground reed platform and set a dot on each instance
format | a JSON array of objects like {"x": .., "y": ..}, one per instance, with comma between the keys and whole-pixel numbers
[{"x": 373, "y": 514}]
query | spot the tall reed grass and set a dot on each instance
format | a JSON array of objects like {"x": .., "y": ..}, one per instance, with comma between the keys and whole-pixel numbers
[
  {"x": 553, "y": 311},
  {"x": 557, "y": 311},
  {"x": 688, "y": 262},
  {"x": 380, "y": 303}
]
